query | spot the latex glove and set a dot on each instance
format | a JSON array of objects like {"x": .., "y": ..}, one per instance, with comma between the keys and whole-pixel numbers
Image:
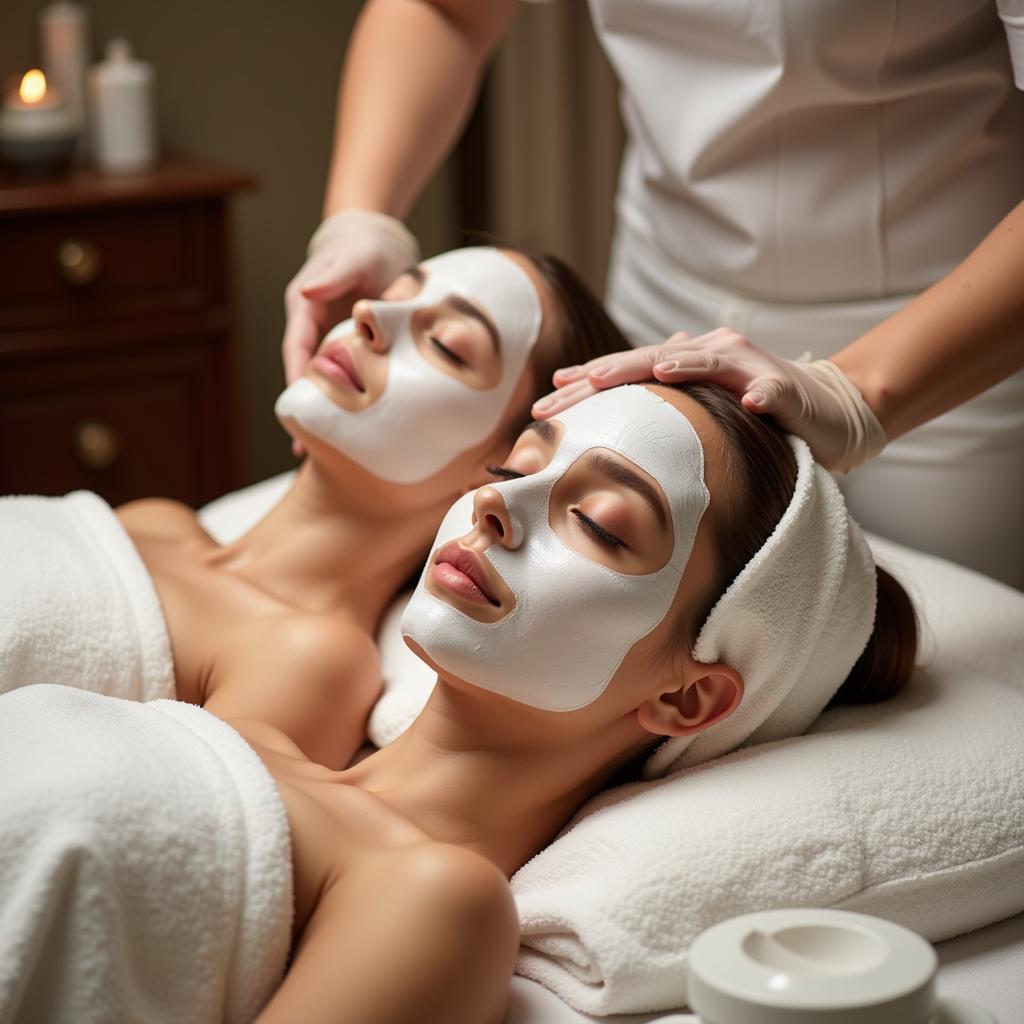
[
  {"x": 813, "y": 399},
  {"x": 352, "y": 255}
]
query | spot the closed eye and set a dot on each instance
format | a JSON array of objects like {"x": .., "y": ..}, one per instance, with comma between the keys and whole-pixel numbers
[
  {"x": 597, "y": 531},
  {"x": 504, "y": 472},
  {"x": 452, "y": 357}
]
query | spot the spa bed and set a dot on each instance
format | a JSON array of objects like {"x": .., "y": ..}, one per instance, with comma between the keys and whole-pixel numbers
[{"x": 987, "y": 963}]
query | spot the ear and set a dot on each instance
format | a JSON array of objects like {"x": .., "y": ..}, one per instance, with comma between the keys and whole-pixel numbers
[
  {"x": 495, "y": 456},
  {"x": 696, "y": 705}
]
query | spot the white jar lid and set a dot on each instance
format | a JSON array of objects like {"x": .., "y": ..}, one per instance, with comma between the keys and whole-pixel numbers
[{"x": 811, "y": 967}]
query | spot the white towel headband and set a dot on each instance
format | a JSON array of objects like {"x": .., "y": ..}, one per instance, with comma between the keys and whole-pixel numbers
[{"x": 793, "y": 623}]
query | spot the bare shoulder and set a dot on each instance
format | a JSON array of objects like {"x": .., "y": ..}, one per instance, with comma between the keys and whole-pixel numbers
[
  {"x": 160, "y": 519},
  {"x": 314, "y": 677},
  {"x": 465, "y": 883},
  {"x": 433, "y": 946},
  {"x": 309, "y": 644}
]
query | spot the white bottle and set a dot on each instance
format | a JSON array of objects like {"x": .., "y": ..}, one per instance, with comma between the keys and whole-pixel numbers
[
  {"x": 122, "y": 112},
  {"x": 64, "y": 40}
]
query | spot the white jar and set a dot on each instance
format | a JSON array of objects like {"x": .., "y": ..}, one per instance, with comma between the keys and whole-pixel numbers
[
  {"x": 122, "y": 112},
  {"x": 812, "y": 966}
]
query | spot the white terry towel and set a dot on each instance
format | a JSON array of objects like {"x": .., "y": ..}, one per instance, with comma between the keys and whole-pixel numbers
[
  {"x": 145, "y": 864},
  {"x": 77, "y": 605}
]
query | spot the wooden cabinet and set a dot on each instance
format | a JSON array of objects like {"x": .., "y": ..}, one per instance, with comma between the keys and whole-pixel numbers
[{"x": 117, "y": 361}]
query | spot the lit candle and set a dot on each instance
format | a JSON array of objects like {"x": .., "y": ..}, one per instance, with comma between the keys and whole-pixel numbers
[
  {"x": 33, "y": 94},
  {"x": 37, "y": 132}
]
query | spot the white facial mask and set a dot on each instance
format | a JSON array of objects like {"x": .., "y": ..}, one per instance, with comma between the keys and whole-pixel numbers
[
  {"x": 575, "y": 619},
  {"x": 424, "y": 418}
]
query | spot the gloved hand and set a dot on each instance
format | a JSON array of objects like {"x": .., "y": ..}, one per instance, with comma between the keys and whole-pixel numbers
[
  {"x": 352, "y": 255},
  {"x": 814, "y": 400}
]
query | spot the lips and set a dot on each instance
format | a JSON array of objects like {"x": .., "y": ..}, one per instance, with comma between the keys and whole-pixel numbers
[
  {"x": 341, "y": 355},
  {"x": 470, "y": 566}
]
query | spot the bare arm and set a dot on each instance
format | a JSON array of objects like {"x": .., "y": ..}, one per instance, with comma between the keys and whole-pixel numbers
[
  {"x": 958, "y": 338},
  {"x": 412, "y": 73},
  {"x": 413, "y": 70}
]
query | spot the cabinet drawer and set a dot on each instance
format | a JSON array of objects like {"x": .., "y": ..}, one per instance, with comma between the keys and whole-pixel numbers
[
  {"x": 72, "y": 268},
  {"x": 126, "y": 429}
]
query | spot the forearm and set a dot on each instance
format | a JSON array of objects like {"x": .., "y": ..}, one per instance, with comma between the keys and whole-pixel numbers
[
  {"x": 958, "y": 338},
  {"x": 412, "y": 73}
]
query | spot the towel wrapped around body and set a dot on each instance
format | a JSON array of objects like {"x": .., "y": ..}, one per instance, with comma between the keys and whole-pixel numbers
[
  {"x": 145, "y": 863},
  {"x": 77, "y": 605}
]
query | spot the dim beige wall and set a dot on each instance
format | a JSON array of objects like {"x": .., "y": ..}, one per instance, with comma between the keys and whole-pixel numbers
[
  {"x": 554, "y": 137},
  {"x": 251, "y": 85}
]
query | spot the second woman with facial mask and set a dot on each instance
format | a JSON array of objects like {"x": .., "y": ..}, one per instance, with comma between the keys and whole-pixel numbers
[{"x": 401, "y": 411}]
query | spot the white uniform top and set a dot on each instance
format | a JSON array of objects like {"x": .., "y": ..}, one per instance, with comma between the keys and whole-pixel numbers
[{"x": 817, "y": 150}]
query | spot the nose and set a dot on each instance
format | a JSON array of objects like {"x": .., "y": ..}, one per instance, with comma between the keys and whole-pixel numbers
[
  {"x": 368, "y": 326},
  {"x": 493, "y": 519}
]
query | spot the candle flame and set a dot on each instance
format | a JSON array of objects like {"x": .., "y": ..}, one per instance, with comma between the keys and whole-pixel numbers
[{"x": 33, "y": 86}]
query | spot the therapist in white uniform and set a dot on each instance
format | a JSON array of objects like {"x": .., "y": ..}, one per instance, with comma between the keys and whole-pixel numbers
[{"x": 799, "y": 171}]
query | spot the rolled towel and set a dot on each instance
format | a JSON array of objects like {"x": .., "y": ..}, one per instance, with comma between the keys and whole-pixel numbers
[
  {"x": 77, "y": 605},
  {"x": 145, "y": 865}
]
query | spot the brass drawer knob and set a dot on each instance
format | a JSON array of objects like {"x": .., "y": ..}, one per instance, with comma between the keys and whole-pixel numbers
[
  {"x": 96, "y": 444},
  {"x": 79, "y": 261}
]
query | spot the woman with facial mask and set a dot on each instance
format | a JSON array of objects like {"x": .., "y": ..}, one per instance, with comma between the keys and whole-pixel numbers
[{"x": 400, "y": 411}]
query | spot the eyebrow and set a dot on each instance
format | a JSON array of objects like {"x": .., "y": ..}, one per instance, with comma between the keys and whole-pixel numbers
[
  {"x": 622, "y": 474},
  {"x": 467, "y": 307},
  {"x": 545, "y": 428}
]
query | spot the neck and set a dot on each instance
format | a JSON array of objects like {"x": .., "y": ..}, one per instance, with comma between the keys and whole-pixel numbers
[
  {"x": 501, "y": 783},
  {"x": 321, "y": 552}
]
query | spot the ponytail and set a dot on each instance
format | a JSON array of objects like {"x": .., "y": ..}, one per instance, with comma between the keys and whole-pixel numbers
[{"x": 885, "y": 666}]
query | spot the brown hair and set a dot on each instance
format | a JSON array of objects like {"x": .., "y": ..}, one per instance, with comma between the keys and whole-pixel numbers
[{"x": 762, "y": 466}]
